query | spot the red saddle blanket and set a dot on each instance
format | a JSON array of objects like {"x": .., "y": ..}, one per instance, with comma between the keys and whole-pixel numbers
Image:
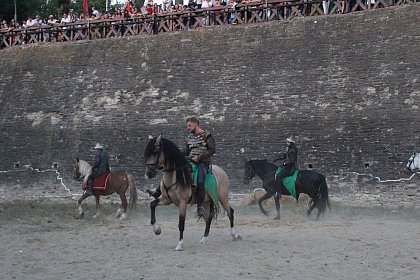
[{"x": 100, "y": 182}]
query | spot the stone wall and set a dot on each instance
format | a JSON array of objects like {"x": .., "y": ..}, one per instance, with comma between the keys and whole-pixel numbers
[{"x": 346, "y": 86}]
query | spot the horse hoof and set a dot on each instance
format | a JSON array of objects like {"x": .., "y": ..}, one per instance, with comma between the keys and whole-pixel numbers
[
  {"x": 237, "y": 237},
  {"x": 276, "y": 218},
  {"x": 203, "y": 240},
  {"x": 158, "y": 231},
  {"x": 123, "y": 217},
  {"x": 79, "y": 215},
  {"x": 119, "y": 213},
  {"x": 266, "y": 213},
  {"x": 179, "y": 246},
  {"x": 96, "y": 216}
]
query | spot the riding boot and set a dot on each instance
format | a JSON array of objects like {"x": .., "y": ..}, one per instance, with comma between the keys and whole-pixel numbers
[
  {"x": 154, "y": 192},
  {"x": 89, "y": 190},
  {"x": 200, "y": 200}
]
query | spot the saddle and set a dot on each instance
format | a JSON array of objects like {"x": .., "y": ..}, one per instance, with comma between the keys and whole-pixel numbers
[
  {"x": 210, "y": 184},
  {"x": 100, "y": 182}
]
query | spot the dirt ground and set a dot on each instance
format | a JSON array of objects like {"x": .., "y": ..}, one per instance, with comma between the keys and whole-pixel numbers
[{"x": 42, "y": 240}]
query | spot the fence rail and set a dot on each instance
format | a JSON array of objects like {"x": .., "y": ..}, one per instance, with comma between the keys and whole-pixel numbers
[{"x": 270, "y": 10}]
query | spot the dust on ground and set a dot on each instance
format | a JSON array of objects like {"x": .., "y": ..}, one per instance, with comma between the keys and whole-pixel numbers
[{"x": 42, "y": 240}]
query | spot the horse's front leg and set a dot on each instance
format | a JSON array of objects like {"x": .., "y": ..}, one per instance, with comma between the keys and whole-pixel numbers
[
  {"x": 182, "y": 208},
  {"x": 157, "y": 230},
  {"x": 98, "y": 209},
  {"x": 80, "y": 213},
  {"x": 261, "y": 200},
  {"x": 277, "y": 201}
]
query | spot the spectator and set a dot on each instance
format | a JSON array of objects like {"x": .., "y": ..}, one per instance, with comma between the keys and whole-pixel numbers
[
  {"x": 37, "y": 21},
  {"x": 29, "y": 22},
  {"x": 95, "y": 13},
  {"x": 66, "y": 19},
  {"x": 192, "y": 5},
  {"x": 205, "y": 4},
  {"x": 51, "y": 20},
  {"x": 199, "y": 4}
]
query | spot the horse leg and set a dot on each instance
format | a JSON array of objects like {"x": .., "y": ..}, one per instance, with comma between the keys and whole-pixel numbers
[
  {"x": 209, "y": 216},
  {"x": 229, "y": 210},
  {"x": 123, "y": 207},
  {"x": 80, "y": 213},
  {"x": 314, "y": 203},
  {"x": 97, "y": 207},
  {"x": 261, "y": 200},
  {"x": 182, "y": 208},
  {"x": 157, "y": 230},
  {"x": 277, "y": 201}
]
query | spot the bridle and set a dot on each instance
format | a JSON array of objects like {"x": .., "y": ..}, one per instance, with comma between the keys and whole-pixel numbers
[{"x": 154, "y": 167}]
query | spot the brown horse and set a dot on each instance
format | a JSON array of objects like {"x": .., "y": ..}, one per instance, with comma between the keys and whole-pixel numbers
[
  {"x": 161, "y": 153},
  {"x": 118, "y": 182}
]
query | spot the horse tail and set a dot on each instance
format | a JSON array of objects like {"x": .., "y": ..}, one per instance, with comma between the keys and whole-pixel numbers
[
  {"x": 133, "y": 191},
  {"x": 324, "y": 200}
]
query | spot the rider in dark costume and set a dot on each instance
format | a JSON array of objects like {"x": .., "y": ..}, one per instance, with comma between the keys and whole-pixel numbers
[
  {"x": 290, "y": 161},
  {"x": 100, "y": 166}
]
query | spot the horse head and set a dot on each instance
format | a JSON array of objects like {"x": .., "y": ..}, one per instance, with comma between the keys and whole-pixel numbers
[
  {"x": 153, "y": 156},
  {"x": 249, "y": 172},
  {"x": 81, "y": 169},
  {"x": 413, "y": 162},
  {"x": 77, "y": 173}
]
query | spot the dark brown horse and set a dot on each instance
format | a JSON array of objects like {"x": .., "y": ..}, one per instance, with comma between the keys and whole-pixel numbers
[
  {"x": 307, "y": 181},
  {"x": 118, "y": 182}
]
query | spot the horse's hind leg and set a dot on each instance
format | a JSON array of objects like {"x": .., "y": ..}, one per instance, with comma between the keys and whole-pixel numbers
[
  {"x": 97, "y": 207},
  {"x": 261, "y": 200},
  {"x": 230, "y": 213},
  {"x": 313, "y": 203},
  {"x": 277, "y": 201},
  {"x": 123, "y": 206},
  {"x": 182, "y": 208}
]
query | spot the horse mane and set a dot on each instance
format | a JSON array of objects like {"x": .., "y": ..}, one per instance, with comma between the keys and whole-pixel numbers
[
  {"x": 84, "y": 167},
  {"x": 174, "y": 158},
  {"x": 265, "y": 163}
]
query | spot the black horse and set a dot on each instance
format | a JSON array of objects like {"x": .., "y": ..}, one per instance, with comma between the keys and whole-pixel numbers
[{"x": 307, "y": 181}]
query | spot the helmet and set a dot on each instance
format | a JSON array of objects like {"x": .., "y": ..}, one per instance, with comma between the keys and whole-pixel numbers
[{"x": 99, "y": 146}]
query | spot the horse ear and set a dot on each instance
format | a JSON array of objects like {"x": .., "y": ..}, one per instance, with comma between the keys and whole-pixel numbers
[
  {"x": 158, "y": 139},
  {"x": 77, "y": 159}
]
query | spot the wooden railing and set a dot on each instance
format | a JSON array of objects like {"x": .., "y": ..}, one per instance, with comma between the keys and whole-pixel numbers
[{"x": 270, "y": 10}]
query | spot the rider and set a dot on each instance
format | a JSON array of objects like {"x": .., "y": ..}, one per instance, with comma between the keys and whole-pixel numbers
[
  {"x": 290, "y": 163},
  {"x": 199, "y": 147},
  {"x": 100, "y": 166}
]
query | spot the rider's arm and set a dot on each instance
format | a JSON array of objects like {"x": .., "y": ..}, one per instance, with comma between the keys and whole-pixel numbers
[
  {"x": 282, "y": 156},
  {"x": 186, "y": 149},
  {"x": 211, "y": 148}
]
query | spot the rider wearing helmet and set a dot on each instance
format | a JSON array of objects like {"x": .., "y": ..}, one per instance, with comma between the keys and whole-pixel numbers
[{"x": 100, "y": 166}]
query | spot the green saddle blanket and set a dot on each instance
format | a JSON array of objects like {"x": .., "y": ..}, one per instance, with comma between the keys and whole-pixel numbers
[
  {"x": 210, "y": 184},
  {"x": 289, "y": 182}
]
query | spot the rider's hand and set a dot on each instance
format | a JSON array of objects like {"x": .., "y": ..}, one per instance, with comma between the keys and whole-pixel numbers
[{"x": 194, "y": 158}]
